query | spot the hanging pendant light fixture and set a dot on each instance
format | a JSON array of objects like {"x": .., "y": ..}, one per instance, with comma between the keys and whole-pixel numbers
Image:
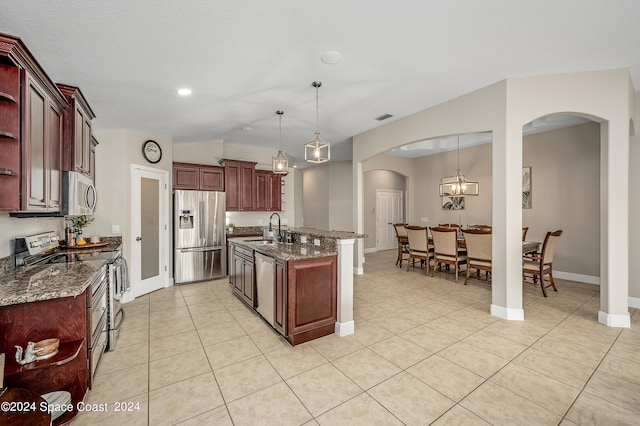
[
  {"x": 280, "y": 163},
  {"x": 317, "y": 151},
  {"x": 459, "y": 186}
]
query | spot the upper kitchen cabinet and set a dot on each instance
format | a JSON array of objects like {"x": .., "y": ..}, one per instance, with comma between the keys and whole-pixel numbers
[
  {"x": 268, "y": 191},
  {"x": 9, "y": 135},
  {"x": 31, "y": 129},
  {"x": 198, "y": 176},
  {"x": 240, "y": 185},
  {"x": 77, "y": 131}
]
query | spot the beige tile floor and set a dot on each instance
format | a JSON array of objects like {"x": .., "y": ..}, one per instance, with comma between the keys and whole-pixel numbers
[{"x": 425, "y": 351}]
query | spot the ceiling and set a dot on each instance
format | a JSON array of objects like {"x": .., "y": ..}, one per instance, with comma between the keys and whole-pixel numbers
[{"x": 246, "y": 59}]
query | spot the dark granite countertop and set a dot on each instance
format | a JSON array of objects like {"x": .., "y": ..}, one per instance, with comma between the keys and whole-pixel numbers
[
  {"x": 338, "y": 235},
  {"x": 44, "y": 282},
  {"x": 287, "y": 252},
  {"x": 22, "y": 284}
]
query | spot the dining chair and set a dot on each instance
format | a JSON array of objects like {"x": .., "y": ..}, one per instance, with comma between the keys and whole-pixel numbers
[
  {"x": 478, "y": 242},
  {"x": 524, "y": 232},
  {"x": 445, "y": 248},
  {"x": 403, "y": 242},
  {"x": 540, "y": 264},
  {"x": 418, "y": 246}
]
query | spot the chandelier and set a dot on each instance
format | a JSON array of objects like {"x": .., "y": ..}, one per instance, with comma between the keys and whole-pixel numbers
[
  {"x": 280, "y": 163},
  {"x": 317, "y": 151},
  {"x": 458, "y": 186}
]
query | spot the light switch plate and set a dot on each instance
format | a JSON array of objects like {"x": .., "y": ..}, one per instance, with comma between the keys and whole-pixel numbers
[{"x": 115, "y": 229}]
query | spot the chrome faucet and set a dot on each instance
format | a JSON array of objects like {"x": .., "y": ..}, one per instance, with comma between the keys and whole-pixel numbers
[{"x": 279, "y": 238}]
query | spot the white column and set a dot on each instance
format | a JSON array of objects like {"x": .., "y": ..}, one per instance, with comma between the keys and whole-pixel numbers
[
  {"x": 614, "y": 224},
  {"x": 345, "y": 324}
]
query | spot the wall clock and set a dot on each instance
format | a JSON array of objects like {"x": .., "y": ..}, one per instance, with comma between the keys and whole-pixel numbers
[{"x": 152, "y": 151}]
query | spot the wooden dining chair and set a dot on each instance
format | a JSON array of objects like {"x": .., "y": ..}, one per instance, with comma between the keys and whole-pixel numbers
[
  {"x": 524, "y": 232},
  {"x": 445, "y": 248},
  {"x": 403, "y": 242},
  {"x": 418, "y": 246},
  {"x": 537, "y": 266},
  {"x": 478, "y": 243}
]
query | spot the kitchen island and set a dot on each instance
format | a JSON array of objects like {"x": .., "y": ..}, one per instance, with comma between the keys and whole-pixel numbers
[{"x": 311, "y": 285}]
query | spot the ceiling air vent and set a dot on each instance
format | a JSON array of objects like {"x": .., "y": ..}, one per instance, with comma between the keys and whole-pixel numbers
[{"x": 384, "y": 117}]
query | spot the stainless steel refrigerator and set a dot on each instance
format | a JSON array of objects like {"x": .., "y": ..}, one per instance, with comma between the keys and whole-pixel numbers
[{"x": 200, "y": 247}]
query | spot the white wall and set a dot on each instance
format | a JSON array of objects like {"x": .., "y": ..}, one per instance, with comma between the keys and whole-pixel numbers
[
  {"x": 634, "y": 210},
  {"x": 328, "y": 196},
  {"x": 203, "y": 152}
]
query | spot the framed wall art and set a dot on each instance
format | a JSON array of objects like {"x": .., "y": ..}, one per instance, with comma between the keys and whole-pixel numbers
[{"x": 526, "y": 187}]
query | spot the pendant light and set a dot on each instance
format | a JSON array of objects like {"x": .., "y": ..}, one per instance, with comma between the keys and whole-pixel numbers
[
  {"x": 317, "y": 151},
  {"x": 459, "y": 185},
  {"x": 280, "y": 163}
]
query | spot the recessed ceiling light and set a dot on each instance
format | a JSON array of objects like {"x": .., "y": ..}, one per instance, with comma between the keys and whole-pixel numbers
[
  {"x": 184, "y": 91},
  {"x": 247, "y": 128},
  {"x": 331, "y": 57}
]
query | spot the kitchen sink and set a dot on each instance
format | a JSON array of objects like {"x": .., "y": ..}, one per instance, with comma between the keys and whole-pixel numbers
[{"x": 263, "y": 242}]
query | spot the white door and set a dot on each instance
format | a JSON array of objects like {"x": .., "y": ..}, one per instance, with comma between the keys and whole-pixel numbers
[
  {"x": 149, "y": 226},
  {"x": 388, "y": 211}
]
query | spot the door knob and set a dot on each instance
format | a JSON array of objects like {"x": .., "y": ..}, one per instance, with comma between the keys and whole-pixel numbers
[{"x": 138, "y": 238}]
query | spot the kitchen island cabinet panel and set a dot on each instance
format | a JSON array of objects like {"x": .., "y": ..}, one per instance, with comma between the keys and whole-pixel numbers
[
  {"x": 311, "y": 299},
  {"x": 280, "y": 294}
]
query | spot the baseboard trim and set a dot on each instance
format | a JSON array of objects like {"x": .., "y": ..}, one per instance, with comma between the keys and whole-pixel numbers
[
  {"x": 507, "y": 313},
  {"x": 634, "y": 302},
  {"x": 345, "y": 328},
  {"x": 587, "y": 279},
  {"x": 623, "y": 321}
]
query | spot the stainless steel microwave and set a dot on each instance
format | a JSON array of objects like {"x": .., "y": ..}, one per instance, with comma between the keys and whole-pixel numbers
[{"x": 78, "y": 194}]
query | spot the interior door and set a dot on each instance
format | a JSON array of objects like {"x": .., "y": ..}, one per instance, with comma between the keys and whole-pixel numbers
[
  {"x": 388, "y": 211},
  {"x": 150, "y": 243}
]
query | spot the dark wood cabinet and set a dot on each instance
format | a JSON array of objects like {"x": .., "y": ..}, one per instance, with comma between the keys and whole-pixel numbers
[
  {"x": 242, "y": 274},
  {"x": 198, "y": 177},
  {"x": 10, "y": 106},
  {"x": 268, "y": 191},
  {"x": 240, "y": 185},
  {"x": 77, "y": 131},
  {"x": 311, "y": 299},
  {"x": 41, "y": 149},
  {"x": 64, "y": 318},
  {"x": 31, "y": 133}
]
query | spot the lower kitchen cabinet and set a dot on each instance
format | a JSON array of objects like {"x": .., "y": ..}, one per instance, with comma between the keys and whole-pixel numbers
[
  {"x": 312, "y": 293},
  {"x": 64, "y": 318},
  {"x": 242, "y": 275},
  {"x": 280, "y": 294}
]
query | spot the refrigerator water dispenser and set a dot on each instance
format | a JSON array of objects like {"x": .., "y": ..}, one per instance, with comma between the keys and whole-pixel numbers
[{"x": 186, "y": 220}]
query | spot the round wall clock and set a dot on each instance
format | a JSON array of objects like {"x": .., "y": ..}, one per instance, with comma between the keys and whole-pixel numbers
[{"x": 151, "y": 151}]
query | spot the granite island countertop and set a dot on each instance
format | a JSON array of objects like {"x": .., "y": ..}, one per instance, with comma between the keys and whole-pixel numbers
[
  {"x": 299, "y": 250},
  {"x": 287, "y": 252}
]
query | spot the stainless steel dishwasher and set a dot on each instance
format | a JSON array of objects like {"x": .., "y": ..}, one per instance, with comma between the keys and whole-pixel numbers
[{"x": 265, "y": 287}]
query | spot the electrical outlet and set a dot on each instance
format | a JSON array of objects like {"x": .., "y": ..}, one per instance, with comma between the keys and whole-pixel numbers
[
  {"x": 316, "y": 241},
  {"x": 115, "y": 229}
]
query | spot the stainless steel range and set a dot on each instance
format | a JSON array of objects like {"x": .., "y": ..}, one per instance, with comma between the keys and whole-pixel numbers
[{"x": 44, "y": 248}]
